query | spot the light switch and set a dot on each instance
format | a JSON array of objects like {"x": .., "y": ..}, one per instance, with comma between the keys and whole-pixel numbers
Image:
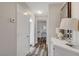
[{"x": 12, "y": 20}]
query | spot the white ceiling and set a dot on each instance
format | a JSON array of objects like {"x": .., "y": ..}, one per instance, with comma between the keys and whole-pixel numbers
[{"x": 42, "y": 6}]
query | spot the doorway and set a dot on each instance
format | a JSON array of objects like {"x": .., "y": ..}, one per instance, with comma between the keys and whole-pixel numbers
[
  {"x": 38, "y": 36},
  {"x": 41, "y": 32}
]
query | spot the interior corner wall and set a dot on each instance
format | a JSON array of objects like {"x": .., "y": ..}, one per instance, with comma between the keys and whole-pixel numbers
[
  {"x": 54, "y": 19},
  {"x": 52, "y": 23}
]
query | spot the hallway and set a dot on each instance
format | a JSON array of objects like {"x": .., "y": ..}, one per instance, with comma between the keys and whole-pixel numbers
[{"x": 38, "y": 51}]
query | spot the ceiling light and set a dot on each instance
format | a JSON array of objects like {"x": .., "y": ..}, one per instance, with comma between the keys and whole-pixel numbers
[
  {"x": 25, "y": 13},
  {"x": 30, "y": 20},
  {"x": 39, "y": 12}
]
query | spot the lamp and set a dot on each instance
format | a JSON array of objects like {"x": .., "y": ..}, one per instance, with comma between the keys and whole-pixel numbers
[{"x": 69, "y": 24}]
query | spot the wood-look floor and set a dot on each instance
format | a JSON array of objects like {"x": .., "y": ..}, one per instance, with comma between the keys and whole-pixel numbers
[{"x": 38, "y": 51}]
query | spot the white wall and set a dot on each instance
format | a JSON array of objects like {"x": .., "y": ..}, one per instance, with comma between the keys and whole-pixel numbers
[
  {"x": 13, "y": 35},
  {"x": 8, "y": 40},
  {"x": 75, "y": 9},
  {"x": 75, "y": 14},
  {"x": 54, "y": 20},
  {"x": 53, "y": 23}
]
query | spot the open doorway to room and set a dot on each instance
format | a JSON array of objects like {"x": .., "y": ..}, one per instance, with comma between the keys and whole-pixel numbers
[
  {"x": 38, "y": 36},
  {"x": 41, "y": 30},
  {"x": 41, "y": 33}
]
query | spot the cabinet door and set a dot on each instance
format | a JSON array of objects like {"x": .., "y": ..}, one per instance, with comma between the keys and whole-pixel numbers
[{"x": 60, "y": 51}]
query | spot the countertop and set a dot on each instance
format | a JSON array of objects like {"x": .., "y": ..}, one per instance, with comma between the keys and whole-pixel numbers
[{"x": 62, "y": 43}]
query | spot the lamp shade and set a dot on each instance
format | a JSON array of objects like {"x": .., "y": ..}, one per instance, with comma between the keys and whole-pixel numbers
[{"x": 67, "y": 24}]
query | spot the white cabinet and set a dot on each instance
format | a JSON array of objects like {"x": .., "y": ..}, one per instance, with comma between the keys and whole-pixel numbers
[
  {"x": 59, "y": 48},
  {"x": 60, "y": 51}
]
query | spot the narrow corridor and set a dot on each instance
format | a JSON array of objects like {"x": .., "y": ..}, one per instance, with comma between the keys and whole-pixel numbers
[{"x": 38, "y": 51}]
